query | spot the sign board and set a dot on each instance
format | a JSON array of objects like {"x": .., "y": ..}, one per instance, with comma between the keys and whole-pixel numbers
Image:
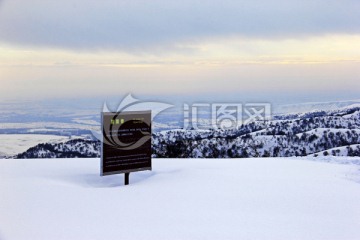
[{"x": 126, "y": 145}]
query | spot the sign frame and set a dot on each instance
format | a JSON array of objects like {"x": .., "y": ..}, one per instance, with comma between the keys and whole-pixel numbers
[{"x": 127, "y": 170}]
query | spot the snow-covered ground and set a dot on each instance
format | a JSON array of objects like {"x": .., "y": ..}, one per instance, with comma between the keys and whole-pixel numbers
[
  {"x": 263, "y": 198},
  {"x": 11, "y": 144}
]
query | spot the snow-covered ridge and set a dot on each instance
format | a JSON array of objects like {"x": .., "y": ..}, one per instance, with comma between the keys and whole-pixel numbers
[
  {"x": 333, "y": 132},
  {"x": 315, "y": 106},
  {"x": 341, "y": 111},
  {"x": 76, "y": 148},
  {"x": 311, "y": 133}
]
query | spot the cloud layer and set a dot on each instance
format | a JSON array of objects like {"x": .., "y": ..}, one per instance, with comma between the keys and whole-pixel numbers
[{"x": 142, "y": 25}]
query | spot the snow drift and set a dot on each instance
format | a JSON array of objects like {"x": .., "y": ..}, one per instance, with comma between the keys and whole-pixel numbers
[{"x": 262, "y": 198}]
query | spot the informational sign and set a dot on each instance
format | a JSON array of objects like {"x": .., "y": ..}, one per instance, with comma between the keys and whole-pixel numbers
[{"x": 126, "y": 145}]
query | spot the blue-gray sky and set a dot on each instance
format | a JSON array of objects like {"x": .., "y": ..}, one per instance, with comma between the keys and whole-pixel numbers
[{"x": 85, "y": 48}]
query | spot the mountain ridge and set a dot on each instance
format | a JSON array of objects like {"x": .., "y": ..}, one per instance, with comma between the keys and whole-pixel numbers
[{"x": 330, "y": 132}]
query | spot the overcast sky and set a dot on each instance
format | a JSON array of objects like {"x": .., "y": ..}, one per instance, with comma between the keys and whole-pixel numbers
[{"x": 82, "y": 48}]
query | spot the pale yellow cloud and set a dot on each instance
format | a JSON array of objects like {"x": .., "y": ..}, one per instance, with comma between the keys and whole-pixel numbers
[
  {"x": 234, "y": 50},
  {"x": 225, "y": 65}
]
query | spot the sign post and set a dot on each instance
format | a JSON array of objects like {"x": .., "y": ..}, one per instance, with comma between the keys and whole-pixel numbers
[{"x": 126, "y": 145}]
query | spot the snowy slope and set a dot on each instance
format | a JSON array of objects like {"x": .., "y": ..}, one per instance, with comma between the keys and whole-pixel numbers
[
  {"x": 289, "y": 135},
  {"x": 75, "y": 148},
  {"x": 338, "y": 151},
  {"x": 263, "y": 198},
  {"x": 12, "y": 144}
]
